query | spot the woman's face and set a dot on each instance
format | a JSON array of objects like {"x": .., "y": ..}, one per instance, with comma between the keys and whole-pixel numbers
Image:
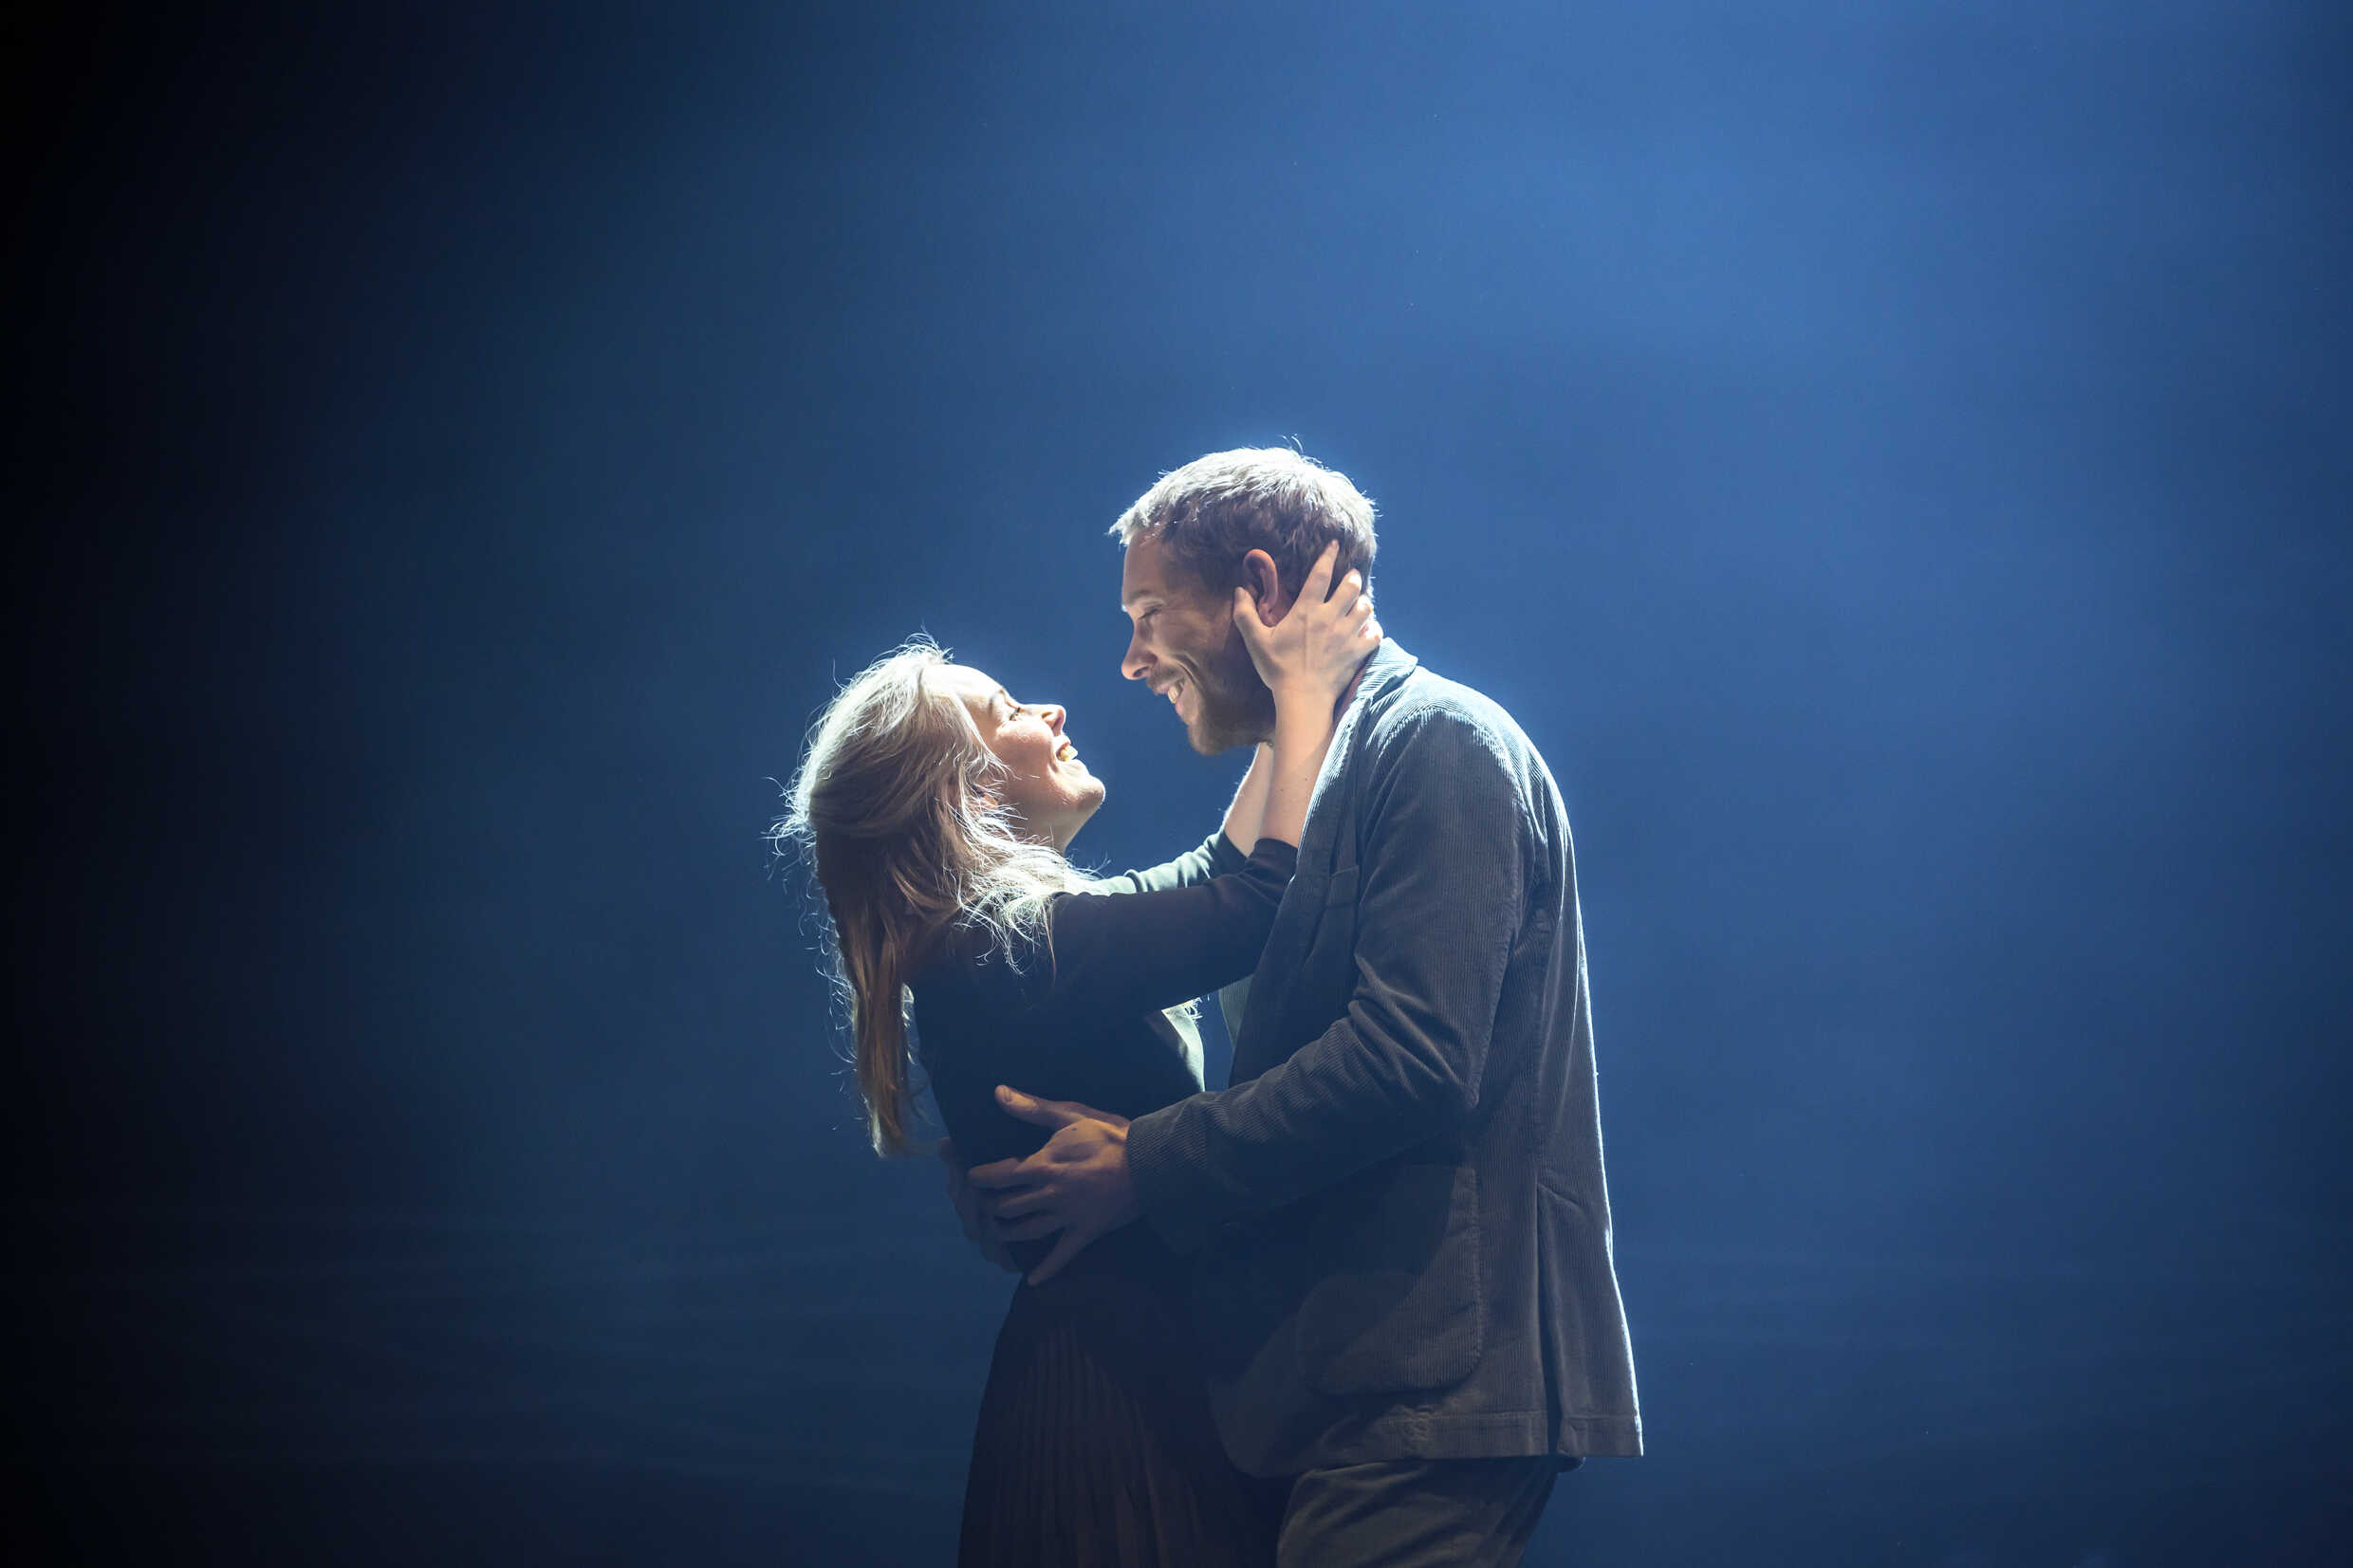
[{"x": 1044, "y": 783}]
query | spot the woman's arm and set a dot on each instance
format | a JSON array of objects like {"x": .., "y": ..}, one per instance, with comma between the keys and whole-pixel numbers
[
  {"x": 1248, "y": 810},
  {"x": 1222, "y": 853},
  {"x": 1212, "y": 856},
  {"x": 1147, "y": 951},
  {"x": 1307, "y": 659}
]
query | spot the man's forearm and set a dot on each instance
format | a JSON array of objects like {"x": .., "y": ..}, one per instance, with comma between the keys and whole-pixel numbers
[
  {"x": 1445, "y": 883},
  {"x": 1333, "y": 1109}
]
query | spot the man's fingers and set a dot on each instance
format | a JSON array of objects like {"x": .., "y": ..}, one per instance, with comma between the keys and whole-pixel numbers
[
  {"x": 1044, "y": 1112},
  {"x": 1029, "y": 1229},
  {"x": 1020, "y": 1201},
  {"x": 1003, "y": 1174},
  {"x": 992, "y": 1203},
  {"x": 1060, "y": 1112},
  {"x": 1071, "y": 1245}
]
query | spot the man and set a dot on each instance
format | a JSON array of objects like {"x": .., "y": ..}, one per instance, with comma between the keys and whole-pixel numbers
[{"x": 1404, "y": 1283}]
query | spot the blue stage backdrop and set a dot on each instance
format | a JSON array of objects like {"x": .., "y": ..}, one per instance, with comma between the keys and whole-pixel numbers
[{"x": 1892, "y": 458}]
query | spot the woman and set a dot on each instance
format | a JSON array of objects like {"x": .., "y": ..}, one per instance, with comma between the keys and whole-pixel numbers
[{"x": 938, "y": 809}]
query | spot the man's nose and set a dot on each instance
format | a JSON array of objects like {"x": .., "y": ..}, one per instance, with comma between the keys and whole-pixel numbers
[{"x": 1135, "y": 666}]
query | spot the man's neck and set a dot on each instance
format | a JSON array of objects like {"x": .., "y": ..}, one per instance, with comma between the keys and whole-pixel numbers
[{"x": 1356, "y": 680}]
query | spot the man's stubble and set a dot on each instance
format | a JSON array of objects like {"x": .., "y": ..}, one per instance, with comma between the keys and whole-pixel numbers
[{"x": 1238, "y": 710}]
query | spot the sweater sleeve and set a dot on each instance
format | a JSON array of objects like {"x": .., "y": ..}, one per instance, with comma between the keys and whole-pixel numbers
[
  {"x": 1154, "y": 949},
  {"x": 1214, "y": 857}
]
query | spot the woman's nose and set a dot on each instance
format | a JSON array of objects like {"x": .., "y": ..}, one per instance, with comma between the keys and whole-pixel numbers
[{"x": 1052, "y": 714}]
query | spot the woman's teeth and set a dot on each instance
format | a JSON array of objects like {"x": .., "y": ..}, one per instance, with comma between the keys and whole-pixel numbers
[{"x": 1066, "y": 752}]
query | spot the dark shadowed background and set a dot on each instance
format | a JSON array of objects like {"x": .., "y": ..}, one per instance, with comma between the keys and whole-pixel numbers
[{"x": 1894, "y": 459}]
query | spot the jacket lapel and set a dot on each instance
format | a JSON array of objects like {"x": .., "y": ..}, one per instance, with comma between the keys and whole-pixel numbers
[{"x": 1330, "y": 810}]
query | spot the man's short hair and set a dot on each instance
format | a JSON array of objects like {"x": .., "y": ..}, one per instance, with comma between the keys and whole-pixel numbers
[{"x": 1216, "y": 509}]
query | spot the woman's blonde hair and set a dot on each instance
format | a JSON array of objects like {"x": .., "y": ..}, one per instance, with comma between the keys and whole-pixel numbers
[{"x": 893, "y": 806}]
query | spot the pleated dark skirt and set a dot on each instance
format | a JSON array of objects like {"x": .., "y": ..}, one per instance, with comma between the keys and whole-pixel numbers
[{"x": 1095, "y": 1446}]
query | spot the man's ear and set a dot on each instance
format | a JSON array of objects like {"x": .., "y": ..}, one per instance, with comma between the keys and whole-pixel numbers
[{"x": 1266, "y": 585}]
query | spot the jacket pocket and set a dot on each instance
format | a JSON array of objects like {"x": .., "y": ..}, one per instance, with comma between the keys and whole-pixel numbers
[
  {"x": 1326, "y": 971},
  {"x": 1397, "y": 1306}
]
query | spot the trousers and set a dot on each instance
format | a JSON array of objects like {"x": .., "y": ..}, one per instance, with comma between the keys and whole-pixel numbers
[{"x": 1413, "y": 1513}]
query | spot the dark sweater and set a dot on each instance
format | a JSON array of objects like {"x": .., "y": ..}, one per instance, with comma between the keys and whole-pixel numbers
[
  {"x": 1094, "y": 1442},
  {"x": 1082, "y": 1022}
]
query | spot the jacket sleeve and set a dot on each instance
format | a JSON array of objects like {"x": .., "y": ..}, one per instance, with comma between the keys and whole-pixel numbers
[
  {"x": 1215, "y": 857},
  {"x": 1154, "y": 949},
  {"x": 1445, "y": 866}
]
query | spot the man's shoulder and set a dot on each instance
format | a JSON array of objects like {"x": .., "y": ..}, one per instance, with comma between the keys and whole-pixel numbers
[
  {"x": 1426, "y": 708},
  {"x": 1434, "y": 740}
]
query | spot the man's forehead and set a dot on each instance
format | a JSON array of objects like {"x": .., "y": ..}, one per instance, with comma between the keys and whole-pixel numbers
[
  {"x": 1138, "y": 572},
  {"x": 1150, "y": 573}
]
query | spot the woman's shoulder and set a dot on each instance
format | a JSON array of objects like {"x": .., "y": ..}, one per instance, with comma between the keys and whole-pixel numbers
[{"x": 982, "y": 955}]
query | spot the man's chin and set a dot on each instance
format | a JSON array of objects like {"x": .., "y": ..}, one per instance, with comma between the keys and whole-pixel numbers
[{"x": 1216, "y": 740}]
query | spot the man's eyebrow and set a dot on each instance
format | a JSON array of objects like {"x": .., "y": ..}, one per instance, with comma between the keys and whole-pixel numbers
[{"x": 1127, "y": 605}]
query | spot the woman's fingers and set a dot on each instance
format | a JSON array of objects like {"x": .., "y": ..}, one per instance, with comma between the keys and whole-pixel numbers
[
  {"x": 1245, "y": 614},
  {"x": 1319, "y": 584},
  {"x": 1257, "y": 638},
  {"x": 1343, "y": 596},
  {"x": 1328, "y": 624}
]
